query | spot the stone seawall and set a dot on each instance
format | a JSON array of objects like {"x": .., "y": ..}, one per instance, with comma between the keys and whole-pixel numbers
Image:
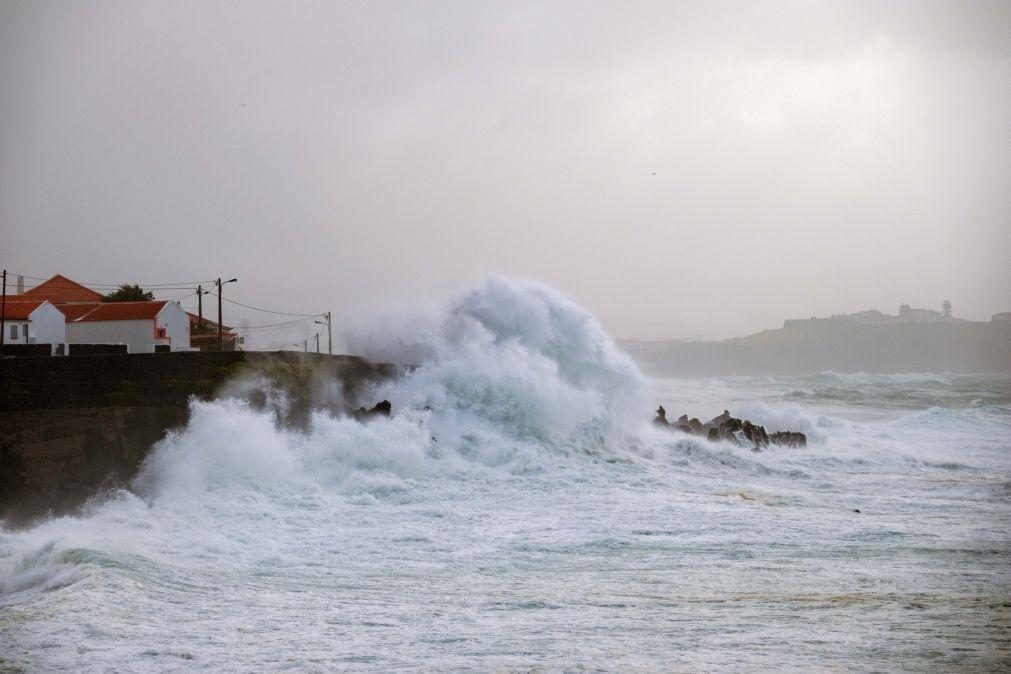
[{"x": 73, "y": 426}]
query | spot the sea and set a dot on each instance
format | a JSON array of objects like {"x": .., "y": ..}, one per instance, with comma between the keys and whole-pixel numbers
[{"x": 519, "y": 511}]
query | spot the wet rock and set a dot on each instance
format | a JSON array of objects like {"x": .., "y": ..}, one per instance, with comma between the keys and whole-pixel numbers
[
  {"x": 741, "y": 432},
  {"x": 788, "y": 439},
  {"x": 381, "y": 409},
  {"x": 661, "y": 417},
  {"x": 720, "y": 420}
]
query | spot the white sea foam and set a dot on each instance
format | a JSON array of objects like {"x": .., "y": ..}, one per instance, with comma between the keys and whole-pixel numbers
[{"x": 518, "y": 510}]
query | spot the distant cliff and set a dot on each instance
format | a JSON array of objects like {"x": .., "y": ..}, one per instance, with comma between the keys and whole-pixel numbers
[{"x": 839, "y": 344}]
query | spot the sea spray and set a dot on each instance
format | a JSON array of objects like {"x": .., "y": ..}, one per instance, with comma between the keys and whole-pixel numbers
[
  {"x": 518, "y": 511},
  {"x": 510, "y": 357}
]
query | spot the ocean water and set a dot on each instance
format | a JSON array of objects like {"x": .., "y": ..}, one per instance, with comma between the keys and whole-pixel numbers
[{"x": 519, "y": 512}]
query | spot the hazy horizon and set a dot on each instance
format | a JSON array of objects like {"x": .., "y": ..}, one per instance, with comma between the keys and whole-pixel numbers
[{"x": 681, "y": 170}]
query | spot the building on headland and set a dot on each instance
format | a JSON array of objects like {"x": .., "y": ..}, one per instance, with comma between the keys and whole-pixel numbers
[
  {"x": 34, "y": 321},
  {"x": 906, "y": 314},
  {"x": 915, "y": 340}
]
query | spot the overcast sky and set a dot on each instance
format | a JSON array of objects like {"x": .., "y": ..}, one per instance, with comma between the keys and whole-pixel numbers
[{"x": 682, "y": 169}]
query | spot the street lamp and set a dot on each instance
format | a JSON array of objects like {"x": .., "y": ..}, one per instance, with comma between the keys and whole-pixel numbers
[
  {"x": 221, "y": 334},
  {"x": 329, "y": 333}
]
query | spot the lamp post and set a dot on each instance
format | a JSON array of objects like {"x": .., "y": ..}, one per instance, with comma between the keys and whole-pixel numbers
[
  {"x": 221, "y": 333},
  {"x": 329, "y": 333}
]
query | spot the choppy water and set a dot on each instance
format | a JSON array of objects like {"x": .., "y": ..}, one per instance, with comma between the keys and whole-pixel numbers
[{"x": 532, "y": 517}]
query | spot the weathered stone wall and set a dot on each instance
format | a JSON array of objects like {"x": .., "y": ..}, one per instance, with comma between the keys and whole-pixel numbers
[
  {"x": 70, "y": 426},
  {"x": 27, "y": 350}
]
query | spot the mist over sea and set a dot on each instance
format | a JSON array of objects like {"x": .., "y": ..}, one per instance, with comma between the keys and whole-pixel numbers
[{"x": 519, "y": 510}]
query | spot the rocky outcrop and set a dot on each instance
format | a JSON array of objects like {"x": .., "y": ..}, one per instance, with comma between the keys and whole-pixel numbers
[
  {"x": 380, "y": 409},
  {"x": 726, "y": 428},
  {"x": 788, "y": 439}
]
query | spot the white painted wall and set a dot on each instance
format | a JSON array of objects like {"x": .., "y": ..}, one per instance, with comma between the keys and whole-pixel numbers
[
  {"x": 17, "y": 332},
  {"x": 176, "y": 322},
  {"x": 137, "y": 335},
  {"x": 47, "y": 325}
]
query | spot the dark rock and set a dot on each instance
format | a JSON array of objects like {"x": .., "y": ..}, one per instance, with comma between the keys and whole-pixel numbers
[
  {"x": 381, "y": 409},
  {"x": 727, "y": 428},
  {"x": 788, "y": 439},
  {"x": 720, "y": 420},
  {"x": 661, "y": 417}
]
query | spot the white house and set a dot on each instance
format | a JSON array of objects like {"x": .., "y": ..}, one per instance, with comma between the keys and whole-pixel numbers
[
  {"x": 33, "y": 322},
  {"x": 140, "y": 325}
]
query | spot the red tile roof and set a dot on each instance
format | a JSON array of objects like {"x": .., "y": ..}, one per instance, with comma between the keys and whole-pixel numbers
[
  {"x": 61, "y": 289},
  {"x": 18, "y": 309},
  {"x": 75, "y": 311},
  {"x": 118, "y": 311},
  {"x": 195, "y": 320}
]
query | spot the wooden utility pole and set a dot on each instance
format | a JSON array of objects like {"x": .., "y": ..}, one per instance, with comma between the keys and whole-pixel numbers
[
  {"x": 3, "y": 311},
  {"x": 221, "y": 329},
  {"x": 329, "y": 335},
  {"x": 221, "y": 334},
  {"x": 200, "y": 307}
]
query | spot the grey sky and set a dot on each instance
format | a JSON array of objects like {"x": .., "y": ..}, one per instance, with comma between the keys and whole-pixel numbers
[{"x": 681, "y": 169}]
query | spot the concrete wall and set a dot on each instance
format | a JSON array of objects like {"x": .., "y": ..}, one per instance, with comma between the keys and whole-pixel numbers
[
  {"x": 137, "y": 335},
  {"x": 47, "y": 326},
  {"x": 71, "y": 426}
]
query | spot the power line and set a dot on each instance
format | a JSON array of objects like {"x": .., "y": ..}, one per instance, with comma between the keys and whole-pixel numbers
[
  {"x": 266, "y": 311},
  {"x": 174, "y": 285},
  {"x": 272, "y": 325},
  {"x": 178, "y": 285},
  {"x": 181, "y": 285},
  {"x": 34, "y": 278},
  {"x": 180, "y": 298}
]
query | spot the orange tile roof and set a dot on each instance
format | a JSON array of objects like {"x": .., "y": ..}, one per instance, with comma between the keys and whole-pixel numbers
[
  {"x": 18, "y": 309},
  {"x": 195, "y": 320},
  {"x": 75, "y": 311},
  {"x": 121, "y": 311},
  {"x": 61, "y": 289}
]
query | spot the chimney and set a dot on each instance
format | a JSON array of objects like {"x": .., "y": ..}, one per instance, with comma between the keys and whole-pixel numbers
[{"x": 21, "y": 284}]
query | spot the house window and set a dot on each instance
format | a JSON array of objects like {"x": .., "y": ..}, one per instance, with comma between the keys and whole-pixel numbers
[
  {"x": 14, "y": 331},
  {"x": 161, "y": 333}
]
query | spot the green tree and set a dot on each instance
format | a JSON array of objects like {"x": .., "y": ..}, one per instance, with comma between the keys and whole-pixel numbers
[{"x": 129, "y": 293}]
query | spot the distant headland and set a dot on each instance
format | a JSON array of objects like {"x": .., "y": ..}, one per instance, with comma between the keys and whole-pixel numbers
[{"x": 915, "y": 340}]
